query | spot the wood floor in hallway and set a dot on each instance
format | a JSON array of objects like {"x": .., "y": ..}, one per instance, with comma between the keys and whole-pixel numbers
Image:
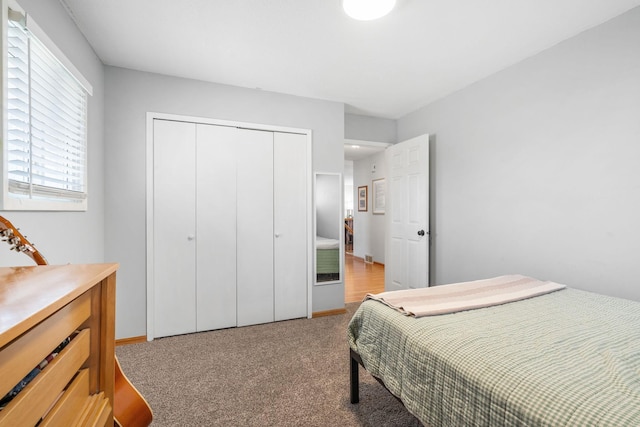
[{"x": 361, "y": 278}]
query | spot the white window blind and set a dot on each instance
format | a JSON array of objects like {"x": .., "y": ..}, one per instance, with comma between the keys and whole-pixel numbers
[{"x": 46, "y": 155}]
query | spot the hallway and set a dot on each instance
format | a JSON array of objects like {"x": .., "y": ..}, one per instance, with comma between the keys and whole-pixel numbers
[{"x": 361, "y": 278}]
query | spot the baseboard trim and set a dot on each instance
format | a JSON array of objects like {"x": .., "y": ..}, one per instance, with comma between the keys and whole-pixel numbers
[
  {"x": 362, "y": 259},
  {"x": 329, "y": 312},
  {"x": 143, "y": 338},
  {"x": 132, "y": 340}
]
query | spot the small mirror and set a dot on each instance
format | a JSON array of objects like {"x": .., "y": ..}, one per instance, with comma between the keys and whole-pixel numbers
[{"x": 329, "y": 227}]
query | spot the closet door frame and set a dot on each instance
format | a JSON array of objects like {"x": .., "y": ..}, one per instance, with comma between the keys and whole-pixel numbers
[{"x": 151, "y": 116}]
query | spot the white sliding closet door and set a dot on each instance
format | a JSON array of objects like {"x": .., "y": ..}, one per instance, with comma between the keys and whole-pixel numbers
[
  {"x": 175, "y": 227},
  {"x": 290, "y": 225},
  {"x": 255, "y": 227},
  {"x": 215, "y": 159}
]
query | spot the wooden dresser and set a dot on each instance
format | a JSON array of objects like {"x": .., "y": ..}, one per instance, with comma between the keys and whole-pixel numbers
[{"x": 39, "y": 308}]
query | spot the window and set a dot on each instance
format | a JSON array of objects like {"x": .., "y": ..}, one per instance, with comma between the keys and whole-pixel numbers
[{"x": 45, "y": 125}]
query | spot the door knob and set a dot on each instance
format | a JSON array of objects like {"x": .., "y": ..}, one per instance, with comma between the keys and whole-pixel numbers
[
  {"x": 191, "y": 237},
  {"x": 421, "y": 233}
]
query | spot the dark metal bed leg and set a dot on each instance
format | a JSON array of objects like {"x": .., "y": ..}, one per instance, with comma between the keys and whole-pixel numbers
[{"x": 354, "y": 378}]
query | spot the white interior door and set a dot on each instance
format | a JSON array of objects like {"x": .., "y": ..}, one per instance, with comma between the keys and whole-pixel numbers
[
  {"x": 290, "y": 226},
  {"x": 216, "y": 153},
  {"x": 407, "y": 215},
  {"x": 255, "y": 227},
  {"x": 174, "y": 198}
]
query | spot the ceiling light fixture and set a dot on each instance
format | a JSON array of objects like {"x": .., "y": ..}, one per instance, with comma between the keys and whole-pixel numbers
[{"x": 367, "y": 10}]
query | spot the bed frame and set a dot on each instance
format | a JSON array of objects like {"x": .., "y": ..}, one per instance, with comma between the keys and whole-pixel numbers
[{"x": 354, "y": 378}]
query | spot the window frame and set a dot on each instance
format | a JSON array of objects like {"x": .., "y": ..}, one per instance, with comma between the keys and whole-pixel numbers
[{"x": 8, "y": 201}]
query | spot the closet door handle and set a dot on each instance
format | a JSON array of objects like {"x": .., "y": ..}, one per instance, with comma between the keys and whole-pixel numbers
[
  {"x": 277, "y": 234},
  {"x": 190, "y": 237}
]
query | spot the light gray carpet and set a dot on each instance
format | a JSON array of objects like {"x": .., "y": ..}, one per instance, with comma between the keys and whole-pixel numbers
[{"x": 290, "y": 373}]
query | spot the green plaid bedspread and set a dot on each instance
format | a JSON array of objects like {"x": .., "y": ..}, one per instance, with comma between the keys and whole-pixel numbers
[
  {"x": 327, "y": 261},
  {"x": 569, "y": 358}
]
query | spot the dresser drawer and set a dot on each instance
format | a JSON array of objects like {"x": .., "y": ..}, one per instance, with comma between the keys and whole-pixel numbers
[
  {"x": 19, "y": 357},
  {"x": 29, "y": 406}
]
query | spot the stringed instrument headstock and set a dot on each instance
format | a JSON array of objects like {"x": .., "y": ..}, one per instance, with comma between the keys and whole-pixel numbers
[{"x": 19, "y": 243}]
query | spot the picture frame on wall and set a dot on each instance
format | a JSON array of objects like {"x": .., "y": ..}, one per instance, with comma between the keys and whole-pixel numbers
[
  {"x": 379, "y": 191},
  {"x": 363, "y": 201}
]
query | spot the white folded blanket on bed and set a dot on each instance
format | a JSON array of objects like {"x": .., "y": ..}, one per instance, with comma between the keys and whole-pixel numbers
[{"x": 465, "y": 295}]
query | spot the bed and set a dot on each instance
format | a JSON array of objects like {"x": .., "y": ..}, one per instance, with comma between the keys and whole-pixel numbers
[
  {"x": 564, "y": 358},
  {"x": 327, "y": 259}
]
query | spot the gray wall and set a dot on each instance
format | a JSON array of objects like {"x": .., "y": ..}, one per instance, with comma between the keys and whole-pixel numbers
[
  {"x": 368, "y": 128},
  {"x": 536, "y": 169},
  {"x": 130, "y": 95},
  {"x": 69, "y": 237}
]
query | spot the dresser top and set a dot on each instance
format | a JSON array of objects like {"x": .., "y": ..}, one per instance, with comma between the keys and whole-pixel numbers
[{"x": 28, "y": 295}]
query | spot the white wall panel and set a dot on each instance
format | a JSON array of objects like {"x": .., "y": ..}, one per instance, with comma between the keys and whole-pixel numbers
[
  {"x": 216, "y": 156},
  {"x": 174, "y": 201},
  {"x": 290, "y": 230},
  {"x": 255, "y": 227}
]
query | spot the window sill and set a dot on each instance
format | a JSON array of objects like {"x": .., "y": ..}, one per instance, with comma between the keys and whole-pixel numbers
[{"x": 23, "y": 204}]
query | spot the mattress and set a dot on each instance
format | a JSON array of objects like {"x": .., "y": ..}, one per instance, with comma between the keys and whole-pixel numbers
[{"x": 568, "y": 358}]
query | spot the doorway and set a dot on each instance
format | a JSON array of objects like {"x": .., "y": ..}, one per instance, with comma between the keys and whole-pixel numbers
[{"x": 364, "y": 228}]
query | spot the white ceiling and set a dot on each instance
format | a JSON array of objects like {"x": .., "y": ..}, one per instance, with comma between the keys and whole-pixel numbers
[{"x": 422, "y": 51}]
